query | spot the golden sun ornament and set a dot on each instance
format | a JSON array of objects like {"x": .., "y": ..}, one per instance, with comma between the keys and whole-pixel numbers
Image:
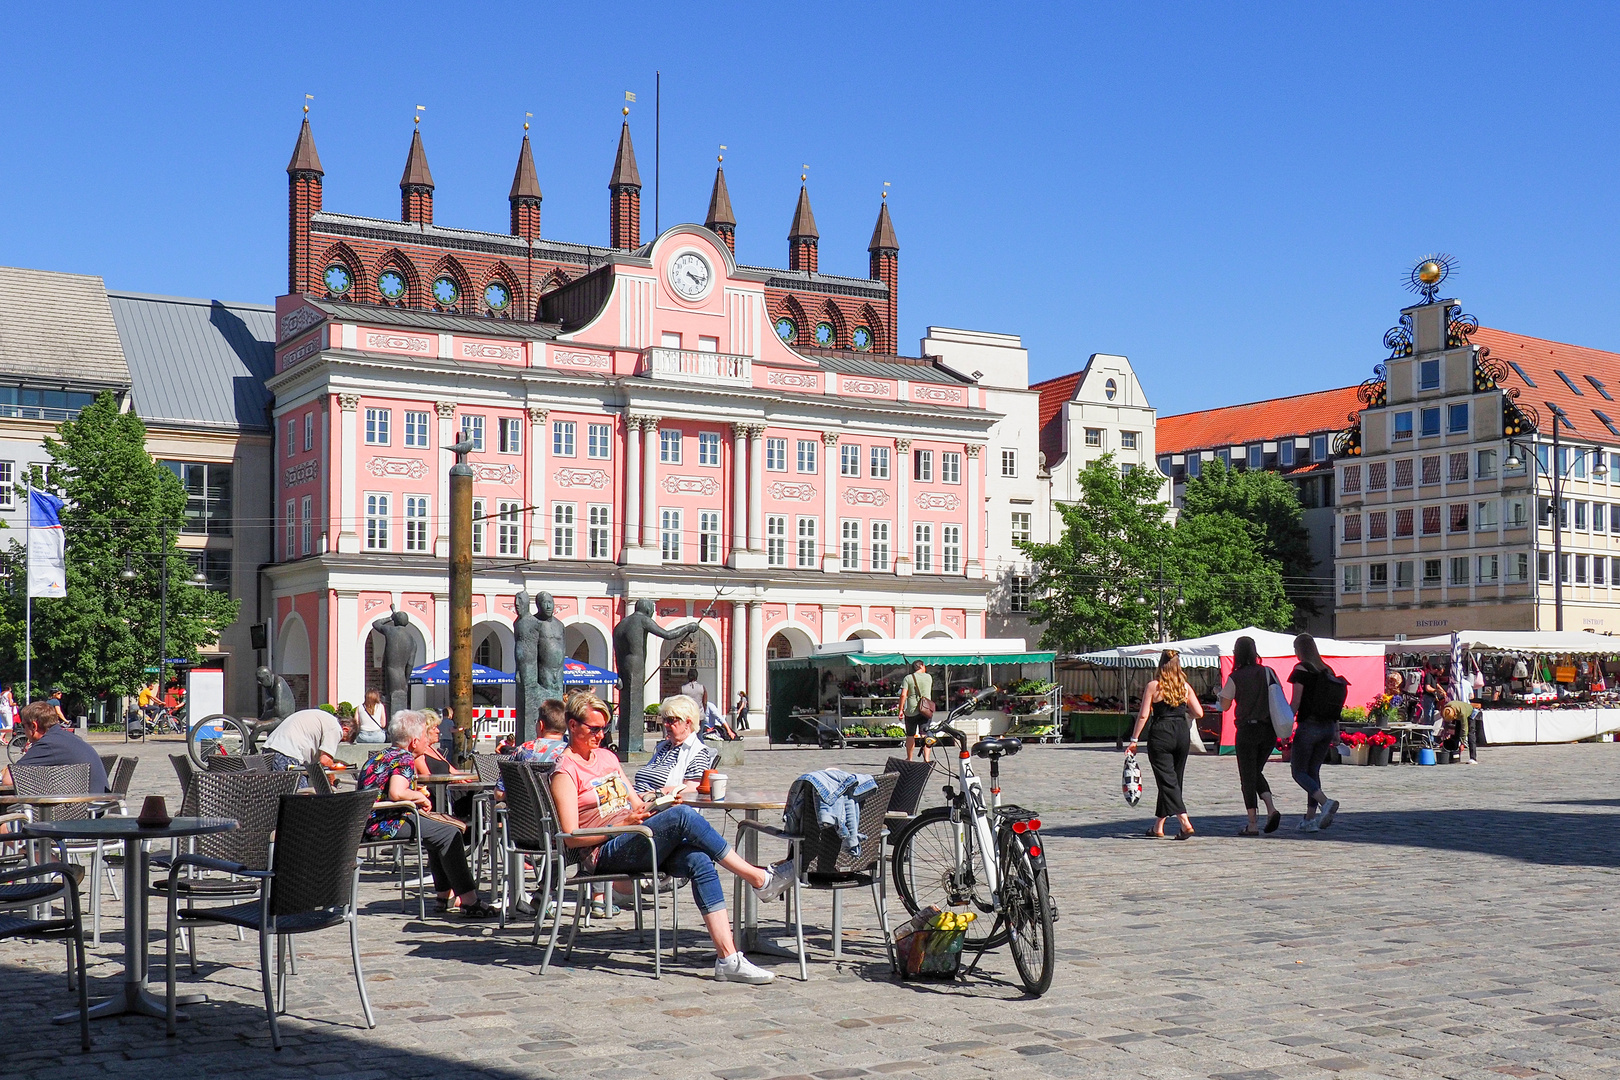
[{"x": 1427, "y": 276}]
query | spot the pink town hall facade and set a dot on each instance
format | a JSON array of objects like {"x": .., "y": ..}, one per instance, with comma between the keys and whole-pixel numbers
[{"x": 651, "y": 432}]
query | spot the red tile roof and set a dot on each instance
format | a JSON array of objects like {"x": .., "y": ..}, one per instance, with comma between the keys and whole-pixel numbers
[
  {"x": 1054, "y": 392},
  {"x": 1542, "y": 360},
  {"x": 1259, "y": 421}
]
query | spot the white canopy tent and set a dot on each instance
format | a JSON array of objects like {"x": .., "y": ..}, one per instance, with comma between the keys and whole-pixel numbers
[
  {"x": 1516, "y": 641},
  {"x": 1268, "y": 642}
]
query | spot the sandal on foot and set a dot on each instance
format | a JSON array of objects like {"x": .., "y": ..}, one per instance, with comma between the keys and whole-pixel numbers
[
  {"x": 1154, "y": 834},
  {"x": 1273, "y": 820},
  {"x": 1186, "y": 834},
  {"x": 479, "y": 911},
  {"x": 1248, "y": 830}
]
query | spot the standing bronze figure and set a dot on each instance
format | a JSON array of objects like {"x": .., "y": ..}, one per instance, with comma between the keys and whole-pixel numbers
[{"x": 630, "y": 661}]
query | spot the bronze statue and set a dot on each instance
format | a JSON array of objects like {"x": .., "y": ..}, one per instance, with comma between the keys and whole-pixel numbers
[
  {"x": 399, "y": 649},
  {"x": 538, "y": 643},
  {"x": 279, "y": 702},
  {"x": 630, "y": 661}
]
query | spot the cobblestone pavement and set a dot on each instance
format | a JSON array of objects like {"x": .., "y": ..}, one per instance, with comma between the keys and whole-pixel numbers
[{"x": 1455, "y": 922}]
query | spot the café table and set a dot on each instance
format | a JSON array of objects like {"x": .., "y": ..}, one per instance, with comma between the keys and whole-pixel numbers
[
  {"x": 749, "y": 804},
  {"x": 1404, "y": 732},
  {"x": 132, "y": 996}
]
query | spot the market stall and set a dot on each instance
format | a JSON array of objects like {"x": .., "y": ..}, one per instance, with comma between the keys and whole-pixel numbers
[
  {"x": 1532, "y": 686},
  {"x": 1101, "y": 691},
  {"x": 848, "y": 693}
]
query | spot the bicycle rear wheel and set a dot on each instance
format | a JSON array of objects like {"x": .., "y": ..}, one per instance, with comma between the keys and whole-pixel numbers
[
  {"x": 16, "y": 747},
  {"x": 214, "y": 735},
  {"x": 926, "y": 872},
  {"x": 1028, "y": 908}
]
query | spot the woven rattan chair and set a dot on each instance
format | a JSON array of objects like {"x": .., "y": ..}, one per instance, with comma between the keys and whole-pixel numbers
[
  {"x": 909, "y": 787},
  {"x": 182, "y": 772},
  {"x": 109, "y": 762},
  {"x": 564, "y": 871},
  {"x": 488, "y": 767},
  {"x": 21, "y": 892},
  {"x": 69, "y": 780},
  {"x": 228, "y": 763},
  {"x": 312, "y": 882},
  {"x": 822, "y": 864},
  {"x": 526, "y": 832}
]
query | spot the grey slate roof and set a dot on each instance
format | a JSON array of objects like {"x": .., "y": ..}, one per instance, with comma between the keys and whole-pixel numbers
[
  {"x": 470, "y": 325},
  {"x": 57, "y": 328},
  {"x": 885, "y": 367},
  {"x": 200, "y": 363}
]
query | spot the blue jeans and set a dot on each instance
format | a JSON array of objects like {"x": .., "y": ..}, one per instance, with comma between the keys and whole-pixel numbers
[
  {"x": 371, "y": 737},
  {"x": 1313, "y": 739},
  {"x": 688, "y": 847}
]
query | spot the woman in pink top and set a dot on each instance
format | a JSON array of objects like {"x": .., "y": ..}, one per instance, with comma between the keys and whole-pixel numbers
[{"x": 592, "y": 792}]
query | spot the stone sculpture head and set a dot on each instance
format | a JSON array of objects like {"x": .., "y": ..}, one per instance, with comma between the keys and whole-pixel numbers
[
  {"x": 644, "y": 607},
  {"x": 546, "y": 606},
  {"x": 520, "y": 603},
  {"x": 401, "y": 619}
]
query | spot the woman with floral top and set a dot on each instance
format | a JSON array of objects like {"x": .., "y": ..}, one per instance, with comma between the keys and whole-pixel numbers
[{"x": 390, "y": 772}]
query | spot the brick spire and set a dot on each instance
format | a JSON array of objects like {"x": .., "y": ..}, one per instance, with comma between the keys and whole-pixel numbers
[
  {"x": 884, "y": 253},
  {"x": 304, "y": 174},
  {"x": 416, "y": 185},
  {"x": 624, "y": 221},
  {"x": 803, "y": 237},
  {"x": 720, "y": 218},
  {"x": 525, "y": 195}
]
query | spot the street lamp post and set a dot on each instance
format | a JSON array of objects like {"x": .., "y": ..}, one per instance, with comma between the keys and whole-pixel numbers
[
  {"x": 128, "y": 574},
  {"x": 1162, "y": 591},
  {"x": 1557, "y": 476}
]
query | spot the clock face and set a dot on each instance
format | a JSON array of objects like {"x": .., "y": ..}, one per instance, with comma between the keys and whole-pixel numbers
[{"x": 689, "y": 275}]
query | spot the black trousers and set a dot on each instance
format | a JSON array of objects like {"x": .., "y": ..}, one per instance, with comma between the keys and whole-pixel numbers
[
  {"x": 1255, "y": 742},
  {"x": 446, "y": 855},
  {"x": 1168, "y": 744}
]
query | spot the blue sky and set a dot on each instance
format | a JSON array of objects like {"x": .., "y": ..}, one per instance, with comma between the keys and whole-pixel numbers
[{"x": 1230, "y": 195}]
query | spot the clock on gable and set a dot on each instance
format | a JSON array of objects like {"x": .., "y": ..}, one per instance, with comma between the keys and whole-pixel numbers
[{"x": 690, "y": 275}]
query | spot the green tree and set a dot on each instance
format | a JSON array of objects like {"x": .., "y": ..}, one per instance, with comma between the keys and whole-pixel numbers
[
  {"x": 103, "y": 634},
  {"x": 1225, "y": 577},
  {"x": 1085, "y": 585},
  {"x": 1272, "y": 505}
]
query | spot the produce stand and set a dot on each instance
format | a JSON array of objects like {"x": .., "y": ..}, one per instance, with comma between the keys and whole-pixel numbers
[{"x": 848, "y": 693}]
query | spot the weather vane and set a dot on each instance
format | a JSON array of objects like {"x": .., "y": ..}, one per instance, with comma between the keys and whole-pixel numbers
[
  {"x": 420, "y": 109},
  {"x": 721, "y": 156},
  {"x": 629, "y": 100},
  {"x": 307, "y": 99},
  {"x": 1427, "y": 276},
  {"x": 526, "y": 118}
]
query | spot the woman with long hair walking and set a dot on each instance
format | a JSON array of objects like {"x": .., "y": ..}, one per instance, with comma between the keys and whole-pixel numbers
[
  {"x": 1169, "y": 703},
  {"x": 1249, "y": 686},
  {"x": 1319, "y": 694}
]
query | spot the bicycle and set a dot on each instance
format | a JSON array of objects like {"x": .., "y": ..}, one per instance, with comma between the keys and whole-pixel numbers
[
  {"x": 987, "y": 859},
  {"x": 17, "y": 745},
  {"x": 235, "y": 736}
]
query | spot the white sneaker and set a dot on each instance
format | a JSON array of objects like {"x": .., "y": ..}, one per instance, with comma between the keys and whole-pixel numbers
[
  {"x": 1309, "y": 824},
  {"x": 777, "y": 884},
  {"x": 736, "y": 968},
  {"x": 1329, "y": 808}
]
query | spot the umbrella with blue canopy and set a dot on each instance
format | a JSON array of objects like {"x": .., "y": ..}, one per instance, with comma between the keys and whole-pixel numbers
[
  {"x": 438, "y": 674},
  {"x": 579, "y": 673}
]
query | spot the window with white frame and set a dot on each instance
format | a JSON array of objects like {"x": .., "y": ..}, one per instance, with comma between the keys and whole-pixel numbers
[
  {"x": 669, "y": 535},
  {"x": 950, "y": 549},
  {"x": 597, "y": 441},
  {"x": 1351, "y": 526},
  {"x": 1485, "y": 464},
  {"x": 478, "y": 526},
  {"x": 1377, "y": 576},
  {"x": 1094, "y": 437},
  {"x": 309, "y": 430},
  {"x": 950, "y": 467},
  {"x": 376, "y": 521},
  {"x": 807, "y": 455},
  {"x": 292, "y": 436},
  {"x": 563, "y": 529},
  {"x": 709, "y": 448},
  {"x": 1600, "y": 563},
  {"x": 776, "y": 455},
  {"x": 1352, "y": 579},
  {"x": 1127, "y": 441},
  {"x": 849, "y": 545},
  {"x": 1488, "y": 569},
  {"x": 880, "y": 547},
  {"x": 922, "y": 466},
  {"x": 1485, "y": 515},
  {"x": 880, "y": 463},
  {"x": 709, "y": 536},
  {"x": 1515, "y": 513},
  {"x": 472, "y": 429},
  {"x": 1350, "y": 479},
  {"x": 849, "y": 460},
  {"x": 511, "y": 435},
  {"x": 922, "y": 547},
  {"x": 416, "y": 523},
  {"x": 562, "y": 437},
  {"x": 8, "y": 483},
  {"x": 306, "y": 525},
  {"x": 806, "y": 548},
  {"x": 776, "y": 540},
  {"x": 1458, "y": 570},
  {"x": 508, "y": 528},
  {"x": 1009, "y": 462},
  {"x": 377, "y": 427},
  {"x": 669, "y": 446},
  {"x": 1021, "y": 529},
  {"x": 291, "y": 530},
  {"x": 416, "y": 429},
  {"x": 1018, "y": 593},
  {"x": 599, "y": 526}
]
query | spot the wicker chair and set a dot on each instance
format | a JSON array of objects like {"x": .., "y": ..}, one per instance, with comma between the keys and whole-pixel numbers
[
  {"x": 822, "y": 864},
  {"x": 234, "y": 763},
  {"x": 182, "y": 772},
  {"x": 119, "y": 778},
  {"x": 909, "y": 788},
  {"x": 525, "y": 831},
  {"x": 488, "y": 767},
  {"x": 109, "y": 762},
  {"x": 398, "y": 846},
  {"x": 531, "y": 807},
  {"x": 312, "y": 882},
  {"x": 69, "y": 780},
  {"x": 27, "y": 887}
]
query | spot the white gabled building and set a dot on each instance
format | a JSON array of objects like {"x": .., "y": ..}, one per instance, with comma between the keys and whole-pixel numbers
[{"x": 1099, "y": 410}]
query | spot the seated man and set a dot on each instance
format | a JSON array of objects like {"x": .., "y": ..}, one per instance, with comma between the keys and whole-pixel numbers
[
  {"x": 54, "y": 743},
  {"x": 680, "y": 759},
  {"x": 305, "y": 734},
  {"x": 552, "y": 738}
]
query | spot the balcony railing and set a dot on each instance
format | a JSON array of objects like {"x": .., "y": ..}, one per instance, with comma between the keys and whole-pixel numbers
[{"x": 687, "y": 365}]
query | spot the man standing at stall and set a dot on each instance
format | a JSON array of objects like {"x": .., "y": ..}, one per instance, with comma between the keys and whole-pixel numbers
[{"x": 917, "y": 689}]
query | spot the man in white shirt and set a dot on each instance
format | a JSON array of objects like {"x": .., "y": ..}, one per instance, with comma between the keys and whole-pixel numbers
[{"x": 306, "y": 734}]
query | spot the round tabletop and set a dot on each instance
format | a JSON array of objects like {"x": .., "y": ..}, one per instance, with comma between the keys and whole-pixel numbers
[
  {"x": 734, "y": 800},
  {"x": 125, "y": 828},
  {"x": 55, "y": 800}
]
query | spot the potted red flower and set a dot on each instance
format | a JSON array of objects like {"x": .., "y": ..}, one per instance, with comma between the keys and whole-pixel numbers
[
  {"x": 1357, "y": 742},
  {"x": 1379, "y": 746}
]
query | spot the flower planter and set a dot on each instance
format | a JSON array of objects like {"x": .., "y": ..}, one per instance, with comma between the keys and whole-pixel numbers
[
  {"x": 1378, "y": 755},
  {"x": 1442, "y": 757},
  {"x": 1358, "y": 755}
]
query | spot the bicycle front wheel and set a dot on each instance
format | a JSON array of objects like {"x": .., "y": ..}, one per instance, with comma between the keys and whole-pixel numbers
[
  {"x": 928, "y": 870},
  {"x": 1028, "y": 907},
  {"x": 215, "y": 735}
]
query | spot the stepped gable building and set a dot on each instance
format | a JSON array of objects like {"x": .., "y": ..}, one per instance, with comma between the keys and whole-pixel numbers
[{"x": 651, "y": 420}]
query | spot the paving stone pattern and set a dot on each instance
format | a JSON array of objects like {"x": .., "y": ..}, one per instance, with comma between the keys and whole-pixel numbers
[{"x": 1455, "y": 922}]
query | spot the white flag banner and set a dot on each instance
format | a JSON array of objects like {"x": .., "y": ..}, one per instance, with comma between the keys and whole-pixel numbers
[{"x": 47, "y": 559}]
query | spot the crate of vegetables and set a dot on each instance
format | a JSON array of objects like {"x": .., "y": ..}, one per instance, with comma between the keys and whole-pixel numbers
[{"x": 929, "y": 945}]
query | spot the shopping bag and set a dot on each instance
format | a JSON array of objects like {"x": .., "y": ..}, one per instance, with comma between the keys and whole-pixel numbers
[
  {"x": 1195, "y": 739},
  {"x": 1282, "y": 713},
  {"x": 1131, "y": 782}
]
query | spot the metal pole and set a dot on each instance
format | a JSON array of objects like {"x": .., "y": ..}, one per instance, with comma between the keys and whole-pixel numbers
[
  {"x": 28, "y": 617},
  {"x": 1558, "y": 535},
  {"x": 461, "y": 477},
  {"x": 163, "y": 608},
  {"x": 658, "y": 141}
]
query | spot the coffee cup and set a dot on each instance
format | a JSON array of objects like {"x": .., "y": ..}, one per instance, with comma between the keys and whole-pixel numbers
[{"x": 717, "y": 786}]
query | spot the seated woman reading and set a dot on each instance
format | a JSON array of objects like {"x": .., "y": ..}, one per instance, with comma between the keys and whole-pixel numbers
[
  {"x": 680, "y": 759},
  {"x": 591, "y": 791}
]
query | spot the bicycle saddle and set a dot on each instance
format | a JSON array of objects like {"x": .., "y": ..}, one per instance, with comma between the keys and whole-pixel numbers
[{"x": 994, "y": 748}]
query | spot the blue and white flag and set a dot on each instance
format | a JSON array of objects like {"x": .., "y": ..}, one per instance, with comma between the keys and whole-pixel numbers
[{"x": 47, "y": 560}]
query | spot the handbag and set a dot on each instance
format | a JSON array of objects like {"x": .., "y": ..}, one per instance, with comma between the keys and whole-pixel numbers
[
  {"x": 1282, "y": 713},
  {"x": 1195, "y": 738},
  {"x": 1131, "y": 782},
  {"x": 925, "y": 705}
]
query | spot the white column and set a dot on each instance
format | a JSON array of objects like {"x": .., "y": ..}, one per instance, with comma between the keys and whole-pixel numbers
[
  {"x": 831, "y": 530},
  {"x": 649, "y": 482},
  {"x": 902, "y": 543},
  {"x": 348, "y": 514},
  {"x": 756, "y": 664},
  {"x": 632, "y": 472},
  {"x": 448, "y": 437},
  {"x": 326, "y": 539},
  {"x": 739, "y": 487},
  {"x": 540, "y": 534},
  {"x": 972, "y": 566},
  {"x": 739, "y": 654},
  {"x": 756, "y": 495}
]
